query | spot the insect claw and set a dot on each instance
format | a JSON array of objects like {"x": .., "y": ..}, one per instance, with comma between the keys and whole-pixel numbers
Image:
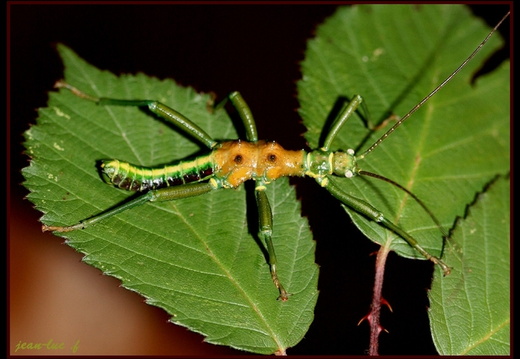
[
  {"x": 446, "y": 270},
  {"x": 284, "y": 296},
  {"x": 46, "y": 228},
  {"x": 62, "y": 84}
]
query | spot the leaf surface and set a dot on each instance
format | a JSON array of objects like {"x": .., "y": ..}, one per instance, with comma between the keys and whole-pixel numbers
[
  {"x": 196, "y": 257},
  {"x": 470, "y": 310}
]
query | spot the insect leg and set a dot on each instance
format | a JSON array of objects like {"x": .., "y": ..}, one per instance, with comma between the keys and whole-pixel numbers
[
  {"x": 340, "y": 120},
  {"x": 265, "y": 232},
  {"x": 165, "y": 112},
  {"x": 372, "y": 213},
  {"x": 159, "y": 195},
  {"x": 245, "y": 114}
]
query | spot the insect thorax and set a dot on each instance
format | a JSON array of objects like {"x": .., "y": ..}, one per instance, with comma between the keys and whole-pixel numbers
[
  {"x": 320, "y": 163},
  {"x": 239, "y": 161}
]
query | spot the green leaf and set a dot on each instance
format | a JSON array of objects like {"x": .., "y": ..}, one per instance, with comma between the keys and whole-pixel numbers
[
  {"x": 196, "y": 257},
  {"x": 446, "y": 152},
  {"x": 470, "y": 309}
]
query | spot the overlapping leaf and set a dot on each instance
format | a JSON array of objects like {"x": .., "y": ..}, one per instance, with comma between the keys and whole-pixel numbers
[
  {"x": 393, "y": 56},
  {"x": 446, "y": 153}
]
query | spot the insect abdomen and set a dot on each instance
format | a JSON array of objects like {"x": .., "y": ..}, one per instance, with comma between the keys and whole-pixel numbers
[{"x": 137, "y": 178}]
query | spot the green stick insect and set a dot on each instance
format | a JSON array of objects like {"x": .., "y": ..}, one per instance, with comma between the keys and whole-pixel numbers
[{"x": 230, "y": 163}]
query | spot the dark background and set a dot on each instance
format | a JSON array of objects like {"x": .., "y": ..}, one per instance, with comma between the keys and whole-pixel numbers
[{"x": 255, "y": 49}]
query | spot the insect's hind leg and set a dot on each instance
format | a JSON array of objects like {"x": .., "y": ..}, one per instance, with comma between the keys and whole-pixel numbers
[
  {"x": 158, "y": 108},
  {"x": 265, "y": 232},
  {"x": 159, "y": 195}
]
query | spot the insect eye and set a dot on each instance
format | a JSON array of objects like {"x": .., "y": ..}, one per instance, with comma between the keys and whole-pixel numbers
[
  {"x": 238, "y": 159},
  {"x": 271, "y": 157}
]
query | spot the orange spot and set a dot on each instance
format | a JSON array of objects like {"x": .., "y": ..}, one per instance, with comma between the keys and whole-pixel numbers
[{"x": 239, "y": 161}]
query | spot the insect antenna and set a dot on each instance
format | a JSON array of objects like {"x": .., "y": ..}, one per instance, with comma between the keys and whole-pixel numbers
[
  {"x": 407, "y": 115},
  {"x": 442, "y": 84}
]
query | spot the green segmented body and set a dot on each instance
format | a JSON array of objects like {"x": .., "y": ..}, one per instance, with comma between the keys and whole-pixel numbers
[
  {"x": 138, "y": 178},
  {"x": 230, "y": 164}
]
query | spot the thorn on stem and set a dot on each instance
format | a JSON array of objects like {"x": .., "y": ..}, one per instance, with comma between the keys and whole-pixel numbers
[
  {"x": 368, "y": 318},
  {"x": 385, "y": 302}
]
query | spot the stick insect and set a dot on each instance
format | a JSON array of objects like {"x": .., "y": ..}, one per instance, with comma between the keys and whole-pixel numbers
[{"x": 229, "y": 164}]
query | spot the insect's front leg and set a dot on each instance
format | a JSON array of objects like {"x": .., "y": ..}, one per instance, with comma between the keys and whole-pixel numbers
[
  {"x": 265, "y": 232},
  {"x": 372, "y": 213},
  {"x": 159, "y": 195},
  {"x": 341, "y": 119}
]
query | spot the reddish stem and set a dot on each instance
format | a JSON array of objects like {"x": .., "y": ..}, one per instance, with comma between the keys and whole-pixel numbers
[{"x": 377, "y": 298}]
